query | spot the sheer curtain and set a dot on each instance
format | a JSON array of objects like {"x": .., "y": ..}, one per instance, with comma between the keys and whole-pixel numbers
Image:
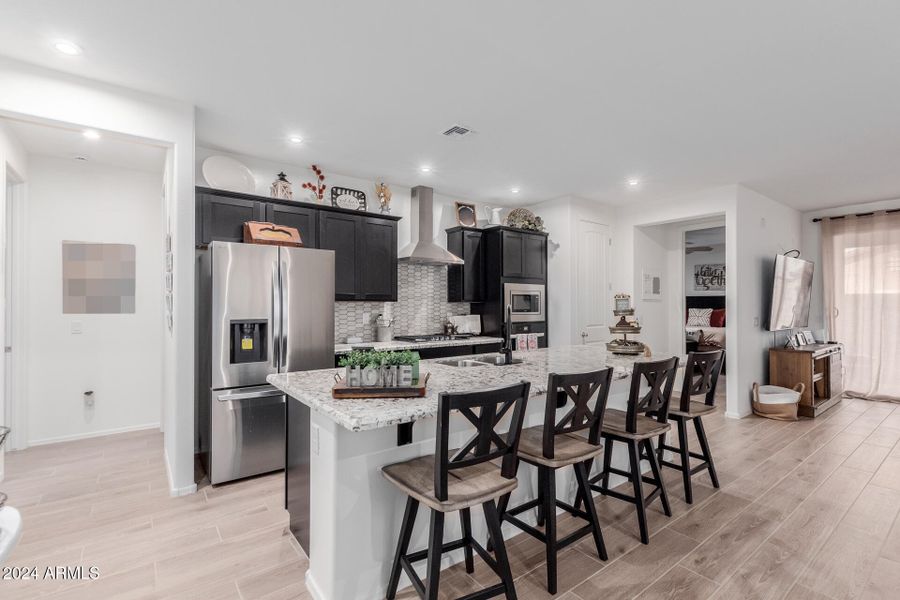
[{"x": 862, "y": 300}]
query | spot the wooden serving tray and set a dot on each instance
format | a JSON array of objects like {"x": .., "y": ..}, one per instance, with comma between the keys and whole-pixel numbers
[{"x": 342, "y": 390}]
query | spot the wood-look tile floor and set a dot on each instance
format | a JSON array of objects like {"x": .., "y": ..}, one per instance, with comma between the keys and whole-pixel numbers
[{"x": 806, "y": 510}]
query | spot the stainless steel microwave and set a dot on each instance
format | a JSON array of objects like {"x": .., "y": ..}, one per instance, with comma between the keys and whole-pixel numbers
[{"x": 527, "y": 301}]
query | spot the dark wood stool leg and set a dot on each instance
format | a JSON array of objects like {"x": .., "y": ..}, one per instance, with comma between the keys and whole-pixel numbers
[
  {"x": 502, "y": 505},
  {"x": 634, "y": 455},
  {"x": 548, "y": 493},
  {"x": 607, "y": 463},
  {"x": 685, "y": 460},
  {"x": 540, "y": 506},
  {"x": 465, "y": 518},
  {"x": 496, "y": 538},
  {"x": 660, "y": 448},
  {"x": 657, "y": 474},
  {"x": 406, "y": 529},
  {"x": 704, "y": 447},
  {"x": 435, "y": 546},
  {"x": 587, "y": 469},
  {"x": 590, "y": 509}
]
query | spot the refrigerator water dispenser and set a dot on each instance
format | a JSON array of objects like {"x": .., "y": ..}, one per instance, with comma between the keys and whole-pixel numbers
[{"x": 248, "y": 341}]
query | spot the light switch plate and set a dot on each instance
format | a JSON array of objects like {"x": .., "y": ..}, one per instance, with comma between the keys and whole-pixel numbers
[{"x": 76, "y": 327}]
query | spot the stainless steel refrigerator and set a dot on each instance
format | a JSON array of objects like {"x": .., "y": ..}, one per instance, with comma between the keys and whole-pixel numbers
[{"x": 261, "y": 310}]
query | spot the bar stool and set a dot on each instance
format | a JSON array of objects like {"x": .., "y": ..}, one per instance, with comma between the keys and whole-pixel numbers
[
  {"x": 636, "y": 430},
  {"x": 556, "y": 445},
  {"x": 701, "y": 374},
  {"x": 446, "y": 483}
]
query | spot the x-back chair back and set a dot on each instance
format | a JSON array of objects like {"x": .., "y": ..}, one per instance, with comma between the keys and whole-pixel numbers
[
  {"x": 660, "y": 378},
  {"x": 701, "y": 373},
  {"x": 581, "y": 389},
  {"x": 486, "y": 444}
]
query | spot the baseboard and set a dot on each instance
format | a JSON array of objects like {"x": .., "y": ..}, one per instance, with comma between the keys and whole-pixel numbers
[
  {"x": 176, "y": 491},
  {"x": 92, "y": 434},
  {"x": 312, "y": 588}
]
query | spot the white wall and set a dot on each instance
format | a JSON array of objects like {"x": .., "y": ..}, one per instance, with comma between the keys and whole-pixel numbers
[
  {"x": 812, "y": 250},
  {"x": 757, "y": 228},
  {"x": 118, "y": 356},
  {"x": 52, "y": 96},
  {"x": 561, "y": 217},
  {"x": 13, "y": 158},
  {"x": 765, "y": 228}
]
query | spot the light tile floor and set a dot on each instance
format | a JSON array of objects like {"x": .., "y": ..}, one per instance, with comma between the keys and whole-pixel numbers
[{"x": 806, "y": 510}]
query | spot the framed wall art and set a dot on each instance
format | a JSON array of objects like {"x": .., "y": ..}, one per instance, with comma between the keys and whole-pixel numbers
[{"x": 465, "y": 214}]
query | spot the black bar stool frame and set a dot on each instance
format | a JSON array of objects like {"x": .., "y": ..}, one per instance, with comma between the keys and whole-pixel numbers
[
  {"x": 701, "y": 375},
  {"x": 479, "y": 449},
  {"x": 644, "y": 419},
  {"x": 557, "y": 448}
]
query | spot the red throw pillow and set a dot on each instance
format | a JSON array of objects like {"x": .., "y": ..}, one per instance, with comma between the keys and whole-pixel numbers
[{"x": 717, "y": 319}]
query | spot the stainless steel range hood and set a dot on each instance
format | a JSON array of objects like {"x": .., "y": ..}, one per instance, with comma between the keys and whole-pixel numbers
[{"x": 422, "y": 250}]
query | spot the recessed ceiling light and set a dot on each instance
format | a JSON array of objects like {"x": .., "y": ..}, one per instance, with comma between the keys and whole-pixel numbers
[
  {"x": 425, "y": 169},
  {"x": 295, "y": 139},
  {"x": 514, "y": 190},
  {"x": 633, "y": 182},
  {"x": 91, "y": 134},
  {"x": 68, "y": 48}
]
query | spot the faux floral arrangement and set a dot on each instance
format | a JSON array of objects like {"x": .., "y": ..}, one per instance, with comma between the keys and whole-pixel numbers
[
  {"x": 522, "y": 218},
  {"x": 317, "y": 187},
  {"x": 380, "y": 368}
]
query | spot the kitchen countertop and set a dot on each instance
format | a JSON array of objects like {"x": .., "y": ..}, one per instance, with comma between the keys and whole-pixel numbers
[
  {"x": 403, "y": 345},
  {"x": 313, "y": 388}
]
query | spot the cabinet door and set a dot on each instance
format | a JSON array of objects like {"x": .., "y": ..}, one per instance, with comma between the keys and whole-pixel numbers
[
  {"x": 222, "y": 218},
  {"x": 341, "y": 233},
  {"x": 534, "y": 250},
  {"x": 835, "y": 375},
  {"x": 513, "y": 254},
  {"x": 300, "y": 217},
  {"x": 378, "y": 260},
  {"x": 473, "y": 271}
]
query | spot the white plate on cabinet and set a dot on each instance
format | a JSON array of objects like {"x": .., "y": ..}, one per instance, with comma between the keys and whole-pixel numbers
[{"x": 225, "y": 173}]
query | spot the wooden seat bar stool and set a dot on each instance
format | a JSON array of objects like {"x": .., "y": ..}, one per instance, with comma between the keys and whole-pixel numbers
[
  {"x": 559, "y": 444},
  {"x": 701, "y": 373},
  {"x": 446, "y": 483},
  {"x": 646, "y": 418}
]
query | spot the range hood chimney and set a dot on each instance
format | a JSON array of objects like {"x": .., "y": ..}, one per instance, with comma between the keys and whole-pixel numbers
[{"x": 422, "y": 250}]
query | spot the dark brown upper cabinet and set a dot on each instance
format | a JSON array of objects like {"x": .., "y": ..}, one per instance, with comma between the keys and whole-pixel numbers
[
  {"x": 365, "y": 244},
  {"x": 465, "y": 283},
  {"x": 524, "y": 254}
]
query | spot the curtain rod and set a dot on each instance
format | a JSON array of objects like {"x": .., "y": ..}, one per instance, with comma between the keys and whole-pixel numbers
[{"x": 865, "y": 214}]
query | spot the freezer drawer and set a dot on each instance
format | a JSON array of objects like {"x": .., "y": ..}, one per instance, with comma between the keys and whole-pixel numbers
[{"x": 247, "y": 432}]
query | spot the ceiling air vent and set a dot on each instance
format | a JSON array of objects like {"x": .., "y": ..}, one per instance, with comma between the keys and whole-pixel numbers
[{"x": 457, "y": 131}]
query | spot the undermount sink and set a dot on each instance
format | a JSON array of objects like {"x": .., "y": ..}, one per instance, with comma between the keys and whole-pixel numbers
[{"x": 481, "y": 360}]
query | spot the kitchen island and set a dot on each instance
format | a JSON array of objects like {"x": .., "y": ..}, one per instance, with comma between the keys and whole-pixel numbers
[{"x": 345, "y": 514}]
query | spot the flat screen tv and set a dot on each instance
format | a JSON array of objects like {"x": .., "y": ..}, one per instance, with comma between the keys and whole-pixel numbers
[{"x": 790, "y": 293}]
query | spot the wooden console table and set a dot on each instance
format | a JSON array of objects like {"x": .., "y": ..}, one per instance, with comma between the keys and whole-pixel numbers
[{"x": 818, "y": 367}]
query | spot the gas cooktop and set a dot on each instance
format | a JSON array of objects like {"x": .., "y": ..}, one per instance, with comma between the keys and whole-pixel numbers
[{"x": 434, "y": 337}]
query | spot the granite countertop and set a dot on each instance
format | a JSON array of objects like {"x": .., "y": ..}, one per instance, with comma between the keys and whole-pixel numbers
[
  {"x": 401, "y": 345},
  {"x": 313, "y": 388}
]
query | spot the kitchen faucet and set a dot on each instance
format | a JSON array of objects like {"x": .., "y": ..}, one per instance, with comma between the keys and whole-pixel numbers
[{"x": 506, "y": 349}]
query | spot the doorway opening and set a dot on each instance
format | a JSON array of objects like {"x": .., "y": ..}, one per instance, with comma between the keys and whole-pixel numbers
[{"x": 704, "y": 289}]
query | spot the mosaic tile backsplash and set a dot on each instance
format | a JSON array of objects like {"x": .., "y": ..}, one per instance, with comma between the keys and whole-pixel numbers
[{"x": 421, "y": 306}]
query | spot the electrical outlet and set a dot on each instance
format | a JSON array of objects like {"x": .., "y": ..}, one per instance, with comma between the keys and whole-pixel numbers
[
  {"x": 76, "y": 327},
  {"x": 756, "y": 321},
  {"x": 314, "y": 440},
  {"x": 366, "y": 317}
]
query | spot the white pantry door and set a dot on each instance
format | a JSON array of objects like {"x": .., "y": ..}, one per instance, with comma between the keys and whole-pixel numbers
[{"x": 592, "y": 288}]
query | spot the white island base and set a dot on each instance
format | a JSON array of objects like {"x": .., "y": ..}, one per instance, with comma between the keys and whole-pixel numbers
[{"x": 355, "y": 514}]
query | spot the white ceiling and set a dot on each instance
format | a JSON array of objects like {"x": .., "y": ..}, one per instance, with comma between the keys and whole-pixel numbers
[
  {"x": 68, "y": 142},
  {"x": 798, "y": 100}
]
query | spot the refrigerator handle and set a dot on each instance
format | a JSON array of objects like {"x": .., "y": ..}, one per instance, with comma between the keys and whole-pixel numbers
[
  {"x": 276, "y": 319},
  {"x": 285, "y": 326}
]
